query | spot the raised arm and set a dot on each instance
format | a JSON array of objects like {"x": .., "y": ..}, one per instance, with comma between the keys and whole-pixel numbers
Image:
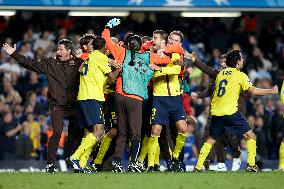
[
  {"x": 146, "y": 46},
  {"x": 33, "y": 65},
  {"x": 203, "y": 67},
  {"x": 117, "y": 51}
]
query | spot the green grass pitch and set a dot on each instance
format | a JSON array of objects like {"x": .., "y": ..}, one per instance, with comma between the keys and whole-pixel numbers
[{"x": 229, "y": 180}]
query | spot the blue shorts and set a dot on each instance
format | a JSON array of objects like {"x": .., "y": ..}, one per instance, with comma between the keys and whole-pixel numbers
[
  {"x": 165, "y": 108},
  {"x": 110, "y": 115},
  {"x": 234, "y": 124},
  {"x": 90, "y": 113}
]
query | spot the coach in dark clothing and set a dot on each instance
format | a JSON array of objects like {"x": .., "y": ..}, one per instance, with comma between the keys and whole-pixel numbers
[{"x": 63, "y": 84}]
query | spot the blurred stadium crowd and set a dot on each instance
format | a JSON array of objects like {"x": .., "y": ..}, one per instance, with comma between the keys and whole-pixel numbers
[{"x": 24, "y": 117}]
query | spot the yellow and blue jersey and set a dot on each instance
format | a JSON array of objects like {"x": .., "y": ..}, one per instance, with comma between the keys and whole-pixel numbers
[
  {"x": 228, "y": 85},
  {"x": 93, "y": 77},
  {"x": 166, "y": 82}
]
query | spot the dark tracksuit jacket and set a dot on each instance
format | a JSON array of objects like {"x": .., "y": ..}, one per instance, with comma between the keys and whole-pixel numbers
[{"x": 63, "y": 85}]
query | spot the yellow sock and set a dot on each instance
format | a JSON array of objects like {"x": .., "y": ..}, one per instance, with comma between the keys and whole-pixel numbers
[
  {"x": 144, "y": 149},
  {"x": 85, "y": 157},
  {"x": 157, "y": 156},
  {"x": 89, "y": 142},
  {"x": 103, "y": 149},
  {"x": 179, "y": 144},
  {"x": 152, "y": 148},
  {"x": 171, "y": 152},
  {"x": 82, "y": 156},
  {"x": 251, "y": 148},
  {"x": 82, "y": 143},
  {"x": 281, "y": 156},
  {"x": 202, "y": 155}
]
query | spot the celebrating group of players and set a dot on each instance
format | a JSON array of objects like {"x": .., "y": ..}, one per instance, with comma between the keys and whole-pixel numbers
[{"x": 131, "y": 93}]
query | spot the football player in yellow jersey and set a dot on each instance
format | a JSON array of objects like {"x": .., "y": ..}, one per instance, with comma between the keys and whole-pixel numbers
[
  {"x": 177, "y": 37},
  {"x": 94, "y": 74},
  {"x": 281, "y": 149},
  {"x": 86, "y": 45},
  {"x": 110, "y": 118},
  {"x": 224, "y": 109},
  {"x": 167, "y": 102}
]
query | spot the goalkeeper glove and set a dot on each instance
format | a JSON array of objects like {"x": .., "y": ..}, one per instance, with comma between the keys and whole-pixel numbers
[{"x": 113, "y": 22}]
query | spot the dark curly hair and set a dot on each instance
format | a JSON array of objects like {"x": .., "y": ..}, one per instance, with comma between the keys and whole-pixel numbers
[
  {"x": 98, "y": 43},
  {"x": 134, "y": 44},
  {"x": 85, "y": 39},
  {"x": 68, "y": 44},
  {"x": 232, "y": 58}
]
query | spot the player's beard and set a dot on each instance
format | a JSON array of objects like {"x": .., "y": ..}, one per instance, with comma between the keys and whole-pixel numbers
[{"x": 155, "y": 48}]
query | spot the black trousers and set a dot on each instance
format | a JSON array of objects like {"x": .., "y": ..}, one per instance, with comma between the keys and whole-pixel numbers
[
  {"x": 129, "y": 121},
  {"x": 211, "y": 155},
  {"x": 165, "y": 144},
  {"x": 230, "y": 141},
  {"x": 75, "y": 133}
]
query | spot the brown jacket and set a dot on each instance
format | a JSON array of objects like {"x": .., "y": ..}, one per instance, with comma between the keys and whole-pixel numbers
[{"x": 63, "y": 78}]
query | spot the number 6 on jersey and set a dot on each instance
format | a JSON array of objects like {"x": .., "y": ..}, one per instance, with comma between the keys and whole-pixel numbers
[{"x": 221, "y": 88}]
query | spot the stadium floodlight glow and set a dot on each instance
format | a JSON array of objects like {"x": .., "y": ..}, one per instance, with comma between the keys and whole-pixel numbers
[
  {"x": 7, "y": 12},
  {"x": 211, "y": 14},
  {"x": 99, "y": 13}
]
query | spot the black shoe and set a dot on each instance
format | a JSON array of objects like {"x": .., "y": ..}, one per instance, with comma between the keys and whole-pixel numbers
[
  {"x": 169, "y": 166},
  {"x": 206, "y": 165},
  {"x": 50, "y": 168},
  {"x": 69, "y": 163},
  {"x": 252, "y": 168},
  {"x": 135, "y": 167},
  {"x": 176, "y": 164},
  {"x": 182, "y": 167},
  {"x": 87, "y": 170},
  {"x": 142, "y": 166},
  {"x": 156, "y": 167},
  {"x": 117, "y": 166},
  {"x": 150, "y": 169},
  {"x": 76, "y": 165},
  {"x": 97, "y": 167}
]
